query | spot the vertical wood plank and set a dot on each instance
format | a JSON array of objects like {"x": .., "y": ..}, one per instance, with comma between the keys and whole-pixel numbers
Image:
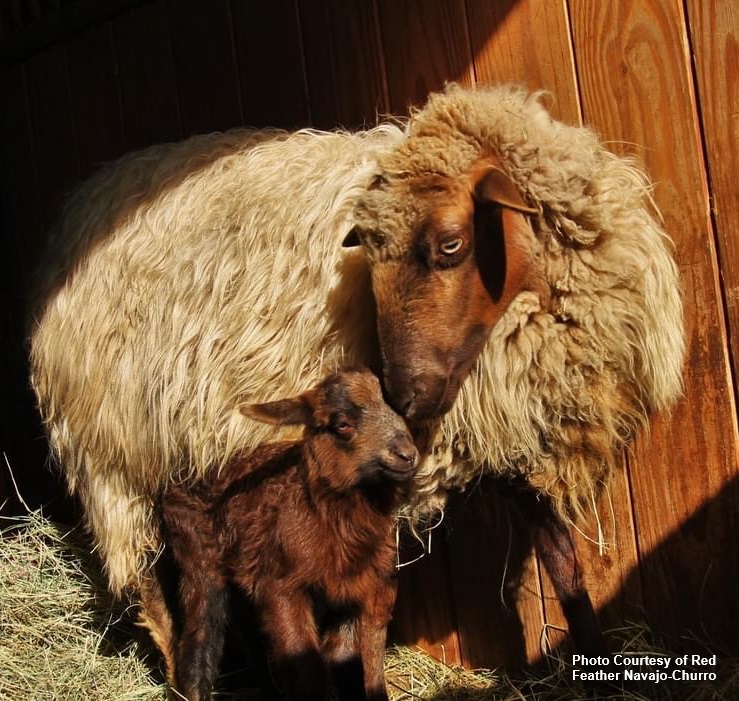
[
  {"x": 19, "y": 232},
  {"x": 610, "y": 569},
  {"x": 55, "y": 154},
  {"x": 714, "y": 30},
  {"x": 95, "y": 99},
  {"x": 507, "y": 47},
  {"x": 423, "y": 615},
  {"x": 494, "y": 580},
  {"x": 24, "y": 216},
  {"x": 22, "y": 230},
  {"x": 636, "y": 87},
  {"x": 343, "y": 62},
  {"x": 205, "y": 68},
  {"x": 270, "y": 60},
  {"x": 146, "y": 78},
  {"x": 425, "y": 44}
]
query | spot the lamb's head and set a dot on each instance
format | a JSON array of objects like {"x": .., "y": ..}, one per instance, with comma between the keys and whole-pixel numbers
[
  {"x": 447, "y": 255},
  {"x": 351, "y": 435}
]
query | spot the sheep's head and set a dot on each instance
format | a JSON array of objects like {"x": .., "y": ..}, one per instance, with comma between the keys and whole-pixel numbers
[
  {"x": 352, "y": 434},
  {"x": 447, "y": 256}
]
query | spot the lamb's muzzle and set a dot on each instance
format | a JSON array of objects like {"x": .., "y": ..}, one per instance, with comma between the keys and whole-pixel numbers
[{"x": 513, "y": 281}]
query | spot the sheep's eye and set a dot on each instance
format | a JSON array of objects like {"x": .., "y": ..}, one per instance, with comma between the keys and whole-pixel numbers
[
  {"x": 451, "y": 246},
  {"x": 377, "y": 239}
]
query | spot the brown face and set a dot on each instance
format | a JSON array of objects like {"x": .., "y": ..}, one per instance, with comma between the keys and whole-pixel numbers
[
  {"x": 356, "y": 424},
  {"x": 438, "y": 297},
  {"x": 353, "y": 434}
]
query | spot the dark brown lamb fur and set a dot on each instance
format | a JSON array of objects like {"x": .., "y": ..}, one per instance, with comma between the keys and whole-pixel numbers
[{"x": 305, "y": 530}]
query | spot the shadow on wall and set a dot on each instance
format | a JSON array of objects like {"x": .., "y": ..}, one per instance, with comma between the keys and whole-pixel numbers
[
  {"x": 482, "y": 573},
  {"x": 336, "y": 67},
  {"x": 121, "y": 200},
  {"x": 22, "y": 433}
]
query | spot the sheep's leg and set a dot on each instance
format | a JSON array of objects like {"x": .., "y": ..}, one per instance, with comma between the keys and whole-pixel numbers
[
  {"x": 556, "y": 549},
  {"x": 288, "y": 622},
  {"x": 154, "y": 615}
]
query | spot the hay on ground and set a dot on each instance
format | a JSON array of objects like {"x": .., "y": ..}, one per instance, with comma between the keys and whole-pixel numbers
[{"x": 63, "y": 638}]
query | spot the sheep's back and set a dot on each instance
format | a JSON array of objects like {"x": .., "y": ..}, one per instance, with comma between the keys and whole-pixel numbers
[{"x": 188, "y": 278}]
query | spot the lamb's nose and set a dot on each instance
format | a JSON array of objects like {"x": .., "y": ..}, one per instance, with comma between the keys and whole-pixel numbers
[{"x": 404, "y": 449}]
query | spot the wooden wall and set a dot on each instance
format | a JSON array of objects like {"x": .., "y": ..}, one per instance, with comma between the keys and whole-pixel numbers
[{"x": 655, "y": 78}]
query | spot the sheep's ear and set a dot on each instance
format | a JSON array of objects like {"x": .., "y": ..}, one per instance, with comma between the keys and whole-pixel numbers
[
  {"x": 503, "y": 236},
  {"x": 352, "y": 239},
  {"x": 492, "y": 185},
  {"x": 283, "y": 412}
]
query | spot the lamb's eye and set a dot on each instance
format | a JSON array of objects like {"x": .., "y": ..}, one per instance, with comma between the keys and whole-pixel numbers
[
  {"x": 451, "y": 246},
  {"x": 344, "y": 429}
]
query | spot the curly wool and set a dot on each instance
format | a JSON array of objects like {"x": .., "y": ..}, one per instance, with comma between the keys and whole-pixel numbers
[
  {"x": 198, "y": 276},
  {"x": 189, "y": 278},
  {"x": 563, "y": 381}
]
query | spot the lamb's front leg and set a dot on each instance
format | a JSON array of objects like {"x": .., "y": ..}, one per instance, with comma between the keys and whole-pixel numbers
[
  {"x": 190, "y": 533},
  {"x": 341, "y": 651},
  {"x": 288, "y": 622},
  {"x": 204, "y": 603},
  {"x": 373, "y": 624}
]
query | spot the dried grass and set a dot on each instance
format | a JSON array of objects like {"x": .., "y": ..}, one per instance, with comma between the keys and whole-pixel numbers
[
  {"x": 63, "y": 638},
  {"x": 414, "y": 675}
]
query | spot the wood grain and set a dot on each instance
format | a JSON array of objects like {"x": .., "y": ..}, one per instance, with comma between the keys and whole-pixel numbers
[
  {"x": 56, "y": 161},
  {"x": 494, "y": 579},
  {"x": 26, "y": 210},
  {"x": 526, "y": 42},
  {"x": 344, "y": 64},
  {"x": 424, "y": 616},
  {"x": 146, "y": 76},
  {"x": 22, "y": 226},
  {"x": 610, "y": 569},
  {"x": 714, "y": 28},
  {"x": 19, "y": 229},
  {"x": 636, "y": 87},
  {"x": 425, "y": 44},
  {"x": 270, "y": 62},
  {"x": 205, "y": 67},
  {"x": 95, "y": 99}
]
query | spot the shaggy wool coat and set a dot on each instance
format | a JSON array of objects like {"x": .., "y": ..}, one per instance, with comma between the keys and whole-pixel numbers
[{"x": 186, "y": 279}]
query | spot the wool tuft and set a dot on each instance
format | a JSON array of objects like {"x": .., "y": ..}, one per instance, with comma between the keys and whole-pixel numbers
[{"x": 187, "y": 279}]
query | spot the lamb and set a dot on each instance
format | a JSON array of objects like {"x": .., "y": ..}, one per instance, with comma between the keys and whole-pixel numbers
[
  {"x": 513, "y": 285},
  {"x": 305, "y": 530}
]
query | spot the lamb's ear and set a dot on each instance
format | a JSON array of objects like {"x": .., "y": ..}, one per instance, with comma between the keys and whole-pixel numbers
[
  {"x": 296, "y": 411},
  {"x": 352, "y": 239},
  {"x": 492, "y": 185}
]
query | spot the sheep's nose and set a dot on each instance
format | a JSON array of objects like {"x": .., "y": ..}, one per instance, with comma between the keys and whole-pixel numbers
[
  {"x": 420, "y": 397},
  {"x": 405, "y": 402}
]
